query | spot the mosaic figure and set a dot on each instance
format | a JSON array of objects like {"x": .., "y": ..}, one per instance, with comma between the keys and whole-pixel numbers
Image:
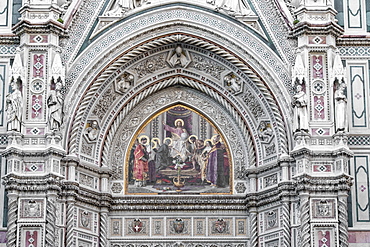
[
  {"x": 170, "y": 149},
  {"x": 141, "y": 168}
]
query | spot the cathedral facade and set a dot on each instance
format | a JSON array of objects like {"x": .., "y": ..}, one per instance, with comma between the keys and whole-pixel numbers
[{"x": 184, "y": 123}]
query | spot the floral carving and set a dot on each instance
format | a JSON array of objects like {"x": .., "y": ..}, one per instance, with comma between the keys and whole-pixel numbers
[
  {"x": 150, "y": 65},
  {"x": 253, "y": 104},
  {"x": 104, "y": 103},
  {"x": 207, "y": 66},
  {"x": 86, "y": 180},
  {"x": 240, "y": 187},
  {"x": 116, "y": 187}
]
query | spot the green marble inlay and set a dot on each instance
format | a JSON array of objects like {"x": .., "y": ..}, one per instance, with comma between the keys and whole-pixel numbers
[{"x": 338, "y": 5}]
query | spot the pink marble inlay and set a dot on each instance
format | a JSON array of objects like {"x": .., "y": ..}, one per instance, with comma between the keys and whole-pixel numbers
[
  {"x": 34, "y": 168},
  {"x": 320, "y": 131},
  {"x": 3, "y": 237},
  {"x": 359, "y": 237},
  {"x": 362, "y": 188},
  {"x": 36, "y": 106},
  {"x": 38, "y": 65},
  {"x": 322, "y": 168},
  {"x": 317, "y": 40},
  {"x": 317, "y": 67},
  {"x": 31, "y": 238},
  {"x": 324, "y": 238},
  {"x": 35, "y": 131},
  {"x": 319, "y": 107},
  {"x": 39, "y": 39}
]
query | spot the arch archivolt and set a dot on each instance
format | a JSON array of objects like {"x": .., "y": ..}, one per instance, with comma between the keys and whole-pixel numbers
[
  {"x": 202, "y": 23},
  {"x": 251, "y": 82},
  {"x": 249, "y": 105},
  {"x": 252, "y": 61}
]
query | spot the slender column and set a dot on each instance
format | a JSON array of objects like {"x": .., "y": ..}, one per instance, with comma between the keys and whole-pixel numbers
[
  {"x": 343, "y": 220},
  {"x": 50, "y": 221},
  {"x": 286, "y": 223},
  {"x": 103, "y": 227},
  {"x": 11, "y": 234},
  {"x": 254, "y": 227},
  {"x": 305, "y": 221},
  {"x": 70, "y": 240}
]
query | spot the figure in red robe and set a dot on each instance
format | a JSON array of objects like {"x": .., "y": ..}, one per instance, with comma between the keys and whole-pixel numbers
[{"x": 141, "y": 168}]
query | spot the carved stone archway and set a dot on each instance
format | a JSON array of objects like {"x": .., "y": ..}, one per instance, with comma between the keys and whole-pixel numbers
[
  {"x": 253, "y": 103},
  {"x": 268, "y": 84},
  {"x": 128, "y": 123}
]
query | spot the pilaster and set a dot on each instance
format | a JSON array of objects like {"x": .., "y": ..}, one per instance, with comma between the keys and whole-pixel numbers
[
  {"x": 320, "y": 134},
  {"x": 34, "y": 152}
]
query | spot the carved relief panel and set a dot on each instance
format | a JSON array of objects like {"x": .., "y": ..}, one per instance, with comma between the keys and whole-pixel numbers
[{"x": 31, "y": 208}]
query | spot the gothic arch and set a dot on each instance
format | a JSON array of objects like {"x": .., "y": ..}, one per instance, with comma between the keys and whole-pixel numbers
[
  {"x": 268, "y": 83},
  {"x": 129, "y": 122},
  {"x": 107, "y": 78},
  {"x": 207, "y": 85}
]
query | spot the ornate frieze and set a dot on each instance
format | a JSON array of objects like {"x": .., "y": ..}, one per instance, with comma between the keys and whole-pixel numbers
[
  {"x": 116, "y": 227},
  {"x": 253, "y": 105},
  {"x": 199, "y": 227},
  {"x": 324, "y": 209},
  {"x": 85, "y": 219},
  {"x": 150, "y": 65},
  {"x": 104, "y": 103},
  {"x": 207, "y": 66}
]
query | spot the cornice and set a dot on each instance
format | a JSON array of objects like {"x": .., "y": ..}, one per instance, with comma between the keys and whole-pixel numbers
[
  {"x": 9, "y": 39},
  {"x": 21, "y": 151},
  {"x": 353, "y": 40},
  {"x": 25, "y": 26},
  {"x": 327, "y": 184},
  {"x": 328, "y": 152},
  {"x": 42, "y": 183},
  {"x": 305, "y": 28}
]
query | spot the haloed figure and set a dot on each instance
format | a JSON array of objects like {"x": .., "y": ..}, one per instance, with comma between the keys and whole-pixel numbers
[
  {"x": 215, "y": 165},
  {"x": 141, "y": 169}
]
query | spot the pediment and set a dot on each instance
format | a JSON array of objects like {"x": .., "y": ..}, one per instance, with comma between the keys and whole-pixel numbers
[{"x": 116, "y": 11}]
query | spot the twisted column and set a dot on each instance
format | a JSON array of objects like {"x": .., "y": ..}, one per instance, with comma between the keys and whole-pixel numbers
[
  {"x": 50, "y": 221},
  {"x": 286, "y": 224},
  {"x": 103, "y": 228},
  {"x": 305, "y": 223},
  {"x": 70, "y": 241},
  {"x": 254, "y": 229},
  {"x": 343, "y": 221},
  {"x": 11, "y": 234}
]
